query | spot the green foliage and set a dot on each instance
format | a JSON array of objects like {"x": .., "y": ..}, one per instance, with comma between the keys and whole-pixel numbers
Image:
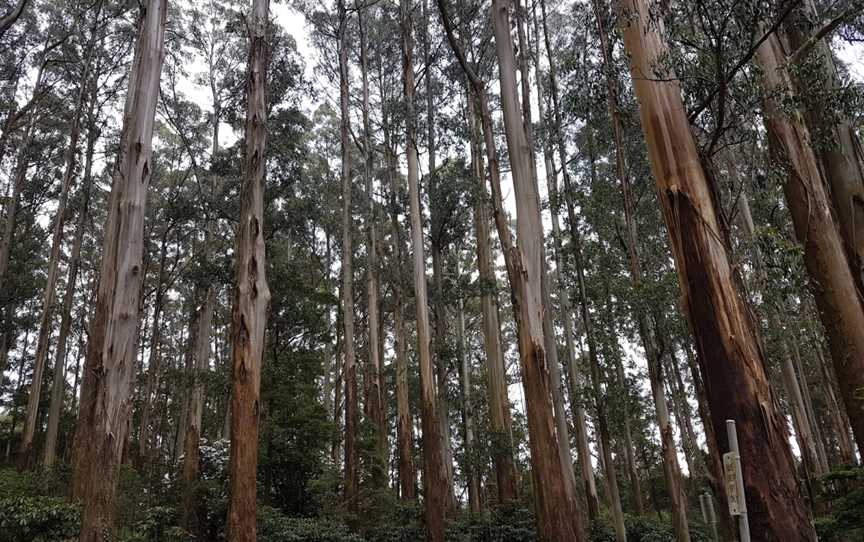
[
  {"x": 44, "y": 482},
  {"x": 845, "y": 496},
  {"x": 38, "y": 519},
  {"x": 510, "y": 523},
  {"x": 274, "y": 526},
  {"x": 294, "y": 434},
  {"x": 642, "y": 529},
  {"x": 405, "y": 523},
  {"x": 158, "y": 524}
]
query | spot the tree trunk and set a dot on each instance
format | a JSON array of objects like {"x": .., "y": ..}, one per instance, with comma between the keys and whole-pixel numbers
[
  {"x": 561, "y": 271},
  {"x": 627, "y": 439},
  {"x": 599, "y": 398},
  {"x": 441, "y": 358},
  {"x": 352, "y": 454},
  {"x": 20, "y": 381},
  {"x": 155, "y": 359},
  {"x": 190, "y": 471},
  {"x": 377, "y": 408},
  {"x": 468, "y": 417},
  {"x": 713, "y": 461},
  {"x": 548, "y": 317},
  {"x": 106, "y": 395},
  {"x": 183, "y": 388},
  {"x": 803, "y": 429},
  {"x": 330, "y": 353},
  {"x": 730, "y": 355},
  {"x": 671, "y": 469},
  {"x": 438, "y": 492},
  {"x": 79, "y": 352},
  {"x": 681, "y": 405},
  {"x": 337, "y": 396},
  {"x": 251, "y": 294},
  {"x": 555, "y": 503},
  {"x": 841, "y": 158},
  {"x": 821, "y": 455},
  {"x": 557, "y": 515},
  {"x": 4, "y": 351},
  {"x": 576, "y": 394},
  {"x": 840, "y": 426},
  {"x": 23, "y": 163},
  {"x": 404, "y": 424},
  {"x": 841, "y": 307},
  {"x": 55, "y": 409},
  {"x": 50, "y": 292},
  {"x": 499, "y": 403}
]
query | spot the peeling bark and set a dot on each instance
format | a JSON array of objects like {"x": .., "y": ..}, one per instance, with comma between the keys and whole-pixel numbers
[
  {"x": 838, "y": 297},
  {"x": 841, "y": 157},
  {"x": 106, "y": 395},
  {"x": 555, "y": 503},
  {"x": 730, "y": 355},
  {"x": 435, "y": 481},
  {"x": 251, "y": 292}
]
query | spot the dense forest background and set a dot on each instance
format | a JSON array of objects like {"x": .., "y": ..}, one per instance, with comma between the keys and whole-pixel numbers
[{"x": 369, "y": 270}]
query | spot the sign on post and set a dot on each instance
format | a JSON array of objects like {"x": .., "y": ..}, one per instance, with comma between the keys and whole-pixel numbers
[
  {"x": 735, "y": 483},
  {"x": 730, "y": 471}
]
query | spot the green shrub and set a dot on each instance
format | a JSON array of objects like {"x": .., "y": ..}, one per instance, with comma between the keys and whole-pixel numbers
[
  {"x": 15, "y": 483},
  {"x": 404, "y": 523},
  {"x": 512, "y": 523},
  {"x": 642, "y": 529},
  {"x": 51, "y": 482},
  {"x": 157, "y": 524},
  {"x": 845, "y": 496},
  {"x": 38, "y": 519},
  {"x": 273, "y": 526}
]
